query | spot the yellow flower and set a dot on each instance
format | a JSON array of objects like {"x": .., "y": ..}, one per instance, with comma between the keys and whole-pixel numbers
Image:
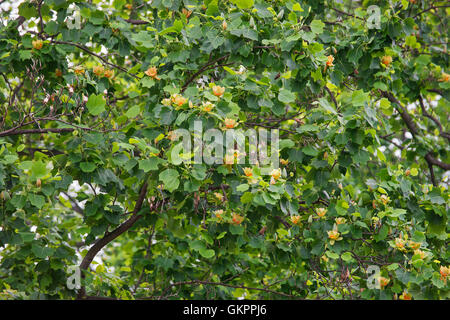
[
  {"x": 218, "y": 214},
  {"x": 385, "y": 199},
  {"x": 276, "y": 174},
  {"x": 248, "y": 172},
  {"x": 321, "y": 212},
  {"x": 383, "y": 282},
  {"x": 330, "y": 60},
  {"x": 207, "y": 106},
  {"x": 445, "y": 77},
  {"x": 444, "y": 271},
  {"x": 340, "y": 220},
  {"x": 109, "y": 73},
  {"x": 295, "y": 220},
  {"x": 400, "y": 244},
  {"x": 405, "y": 296},
  {"x": 229, "y": 123},
  {"x": 420, "y": 253},
  {"x": 166, "y": 102},
  {"x": 186, "y": 12},
  {"x": 152, "y": 72},
  {"x": 237, "y": 219},
  {"x": 229, "y": 159},
  {"x": 333, "y": 234},
  {"x": 58, "y": 72},
  {"x": 284, "y": 162},
  {"x": 37, "y": 44},
  {"x": 414, "y": 245},
  {"x": 171, "y": 135},
  {"x": 178, "y": 99},
  {"x": 218, "y": 195},
  {"x": 218, "y": 90},
  {"x": 78, "y": 70},
  {"x": 386, "y": 60},
  {"x": 99, "y": 71}
]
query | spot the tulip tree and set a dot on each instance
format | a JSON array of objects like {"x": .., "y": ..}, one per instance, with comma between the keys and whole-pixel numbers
[{"x": 91, "y": 93}]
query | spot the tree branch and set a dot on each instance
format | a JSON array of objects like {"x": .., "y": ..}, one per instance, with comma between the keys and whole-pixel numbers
[{"x": 111, "y": 236}]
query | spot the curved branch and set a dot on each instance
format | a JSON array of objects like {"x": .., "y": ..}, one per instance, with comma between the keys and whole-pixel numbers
[{"x": 111, "y": 236}]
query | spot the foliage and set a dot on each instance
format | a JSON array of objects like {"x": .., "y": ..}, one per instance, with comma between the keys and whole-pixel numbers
[{"x": 362, "y": 114}]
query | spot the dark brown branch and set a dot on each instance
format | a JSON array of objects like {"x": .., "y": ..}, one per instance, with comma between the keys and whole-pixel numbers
[
  {"x": 197, "y": 282},
  {"x": 136, "y": 22},
  {"x": 430, "y": 8},
  {"x": 332, "y": 97},
  {"x": 95, "y": 55},
  {"x": 434, "y": 119},
  {"x": 203, "y": 69},
  {"x": 412, "y": 127},
  {"x": 112, "y": 235},
  {"x": 32, "y": 131}
]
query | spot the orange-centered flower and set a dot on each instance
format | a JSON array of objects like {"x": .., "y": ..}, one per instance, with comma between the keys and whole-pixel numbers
[
  {"x": 78, "y": 70},
  {"x": 383, "y": 282},
  {"x": 37, "y": 44},
  {"x": 321, "y": 212},
  {"x": 171, "y": 135},
  {"x": 229, "y": 123},
  {"x": 218, "y": 90},
  {"x": 224, "y": 25},
  {"x": 340, "y": 220},
  {"x": 414, "y": 245},
  {"x": 99, "y": 71},
  {"x": 58, "y": 72},
  {"x": 333, "y": 234},
  {"x": 295, "y": 220},
  {"x": 386, "y": 60},
  {"x": 444, "y": 271},
  {"x": 400, "y": 244},
  {"x": 178, "y": 99},
  {"x": 229, "y": 159},
  {"x": 237, "y": 219},
  {"x": 330, "y": 60},
  {"x": 420, "y": 253},
  {"x": 248, "y": 172},
  {"x": 445, "y": 77},
  {"x": 405, "y": 296},
  {"x": 284, "y": 162},
  {"x": 186, "y": 12},
  {"x": 276, "y": 174},
  {"x": 109, "y": 73},
  {"x": 218, "y": 195},
  {"x": 207, "y": 106},
  {"x": 152, "y": 72},
  {"x": 218, "y": 214},
  {"x": 385, "y": 199}
]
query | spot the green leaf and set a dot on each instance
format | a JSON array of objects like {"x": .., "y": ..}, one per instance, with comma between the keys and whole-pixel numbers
[
  {"x": 207, "y": 253},
  {"x": 36, "y": 200},
  {"x": 96, "y": 104},
  {"x": 317, "y": 26},
  {"x": 133, "y": 112},
  {"x": 41, "y": 252},
  {"x": 243, "y": 4},
  {"x": 149, "y": 164},
  {"x": 87, "y": 166},
  {"x": 286, "y": 96},
  {"x": 170, "y": 179}
]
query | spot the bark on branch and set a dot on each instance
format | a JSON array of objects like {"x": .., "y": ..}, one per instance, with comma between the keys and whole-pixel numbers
[{"x": 93, "y": 251}]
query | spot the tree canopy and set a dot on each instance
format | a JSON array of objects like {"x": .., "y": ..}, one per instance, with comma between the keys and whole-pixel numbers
[{"x": 92, "y": 94}]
